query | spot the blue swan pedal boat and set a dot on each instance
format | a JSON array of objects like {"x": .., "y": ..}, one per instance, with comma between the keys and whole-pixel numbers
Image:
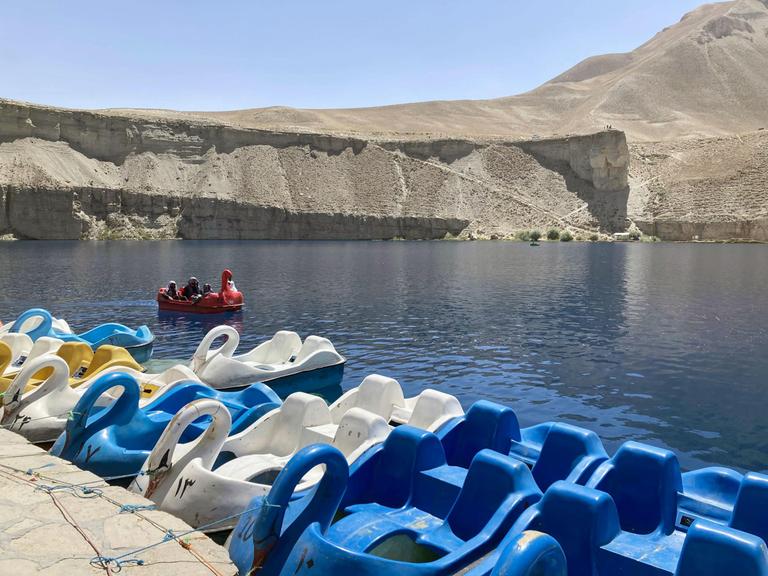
[
  {"x": 395, "y": 514},
  {"x": 116, "y": 440},
  {"x": 138, "y": 342}
]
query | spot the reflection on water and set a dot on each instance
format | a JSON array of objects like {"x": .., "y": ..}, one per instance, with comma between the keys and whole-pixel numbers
[{"x": 664, "y": 343}]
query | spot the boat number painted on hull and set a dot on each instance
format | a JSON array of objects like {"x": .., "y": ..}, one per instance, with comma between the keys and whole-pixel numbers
[
  {"x": 187, "y": 483},
  {"x": 89, "y": 452}
]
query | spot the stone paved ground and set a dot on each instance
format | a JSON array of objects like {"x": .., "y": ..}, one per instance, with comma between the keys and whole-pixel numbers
[{"x": 40, "y": 531}]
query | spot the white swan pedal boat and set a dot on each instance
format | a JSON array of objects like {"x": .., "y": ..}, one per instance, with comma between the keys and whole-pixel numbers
[
  {"x": 283, "y": 362},
  {"x": 213, "y": 478}
]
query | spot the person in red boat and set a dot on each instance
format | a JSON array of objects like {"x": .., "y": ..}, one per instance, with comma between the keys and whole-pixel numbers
[
  {"x": 171, "y": 292},
  {"x": 192, "y": 290}
]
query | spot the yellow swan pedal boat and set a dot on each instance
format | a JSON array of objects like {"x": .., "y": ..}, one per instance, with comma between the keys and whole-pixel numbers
[{"x": 83, "y": 363}]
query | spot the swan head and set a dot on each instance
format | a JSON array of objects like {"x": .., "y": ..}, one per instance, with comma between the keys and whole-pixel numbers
[
  {"x": 160, "y": 463},
  {"x": 14, "y": 399}
]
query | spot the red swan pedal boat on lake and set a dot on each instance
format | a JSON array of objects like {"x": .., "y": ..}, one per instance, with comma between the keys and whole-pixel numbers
[{"x": 228, "y": 299}]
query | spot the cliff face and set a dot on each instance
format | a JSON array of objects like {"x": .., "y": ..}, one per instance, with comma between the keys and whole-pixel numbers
[{"x": 77, "y": 174}]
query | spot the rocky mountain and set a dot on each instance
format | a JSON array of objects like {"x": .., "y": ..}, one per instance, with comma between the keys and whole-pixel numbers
[{"x": 693, "y": 164}]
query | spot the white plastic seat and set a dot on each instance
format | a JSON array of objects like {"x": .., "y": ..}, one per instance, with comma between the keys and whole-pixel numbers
[
  {"x": 279, "y": 349},
  {"x": 377, "y": 394},
  {"x": 358, "y": 431},
  {"x": 429, "y": 410},
  {"x": 384, "y": 396},
  {"x": 20, "y": 345},
  {"x": 279, "y": 432}
]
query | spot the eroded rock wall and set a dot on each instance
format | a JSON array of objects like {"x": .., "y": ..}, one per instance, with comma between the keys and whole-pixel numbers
[{"x": 75, "y": 174}]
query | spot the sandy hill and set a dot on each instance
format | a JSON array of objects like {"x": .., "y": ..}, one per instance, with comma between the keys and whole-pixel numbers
[{"x": 705, "y": 76}]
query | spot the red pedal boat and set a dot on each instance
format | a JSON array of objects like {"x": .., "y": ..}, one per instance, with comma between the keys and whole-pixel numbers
[{"x": 229, "y": 299}]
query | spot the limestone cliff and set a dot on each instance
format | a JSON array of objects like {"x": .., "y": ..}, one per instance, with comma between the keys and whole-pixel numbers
[{"x": 78, "y": 174}]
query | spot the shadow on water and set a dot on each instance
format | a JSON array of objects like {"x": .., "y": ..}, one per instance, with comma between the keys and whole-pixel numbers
[{"x": 660, "y": 343}]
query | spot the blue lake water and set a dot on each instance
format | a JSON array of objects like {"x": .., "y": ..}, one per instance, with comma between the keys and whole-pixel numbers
[{"x": 664, "y": 343}]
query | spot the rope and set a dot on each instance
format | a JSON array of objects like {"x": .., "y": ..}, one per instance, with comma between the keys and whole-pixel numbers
[
  {"x": 136, "y": 507},
  {"x": 115, "y": 564},
  {"x": 119, "y": 561},
  {"x": 72, "y": 489},
  {"x": 31, "y": 471},
  {"x": 72, "y": 522}
]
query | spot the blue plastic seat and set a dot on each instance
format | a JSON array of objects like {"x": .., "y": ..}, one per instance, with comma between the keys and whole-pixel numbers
[
  {"x": 750, "y": 513},
  {"x": 644, "y": 482},
  {"x": 585, "y": 523},
  {"x": 708, "y": 493},
  {"x": 565, "y": 453},
  {"x": 485, "y": 425},
  {"x": 385, "y": 475},
  {"x": 724, "y": 496},
  {"x": 496, "y": 490},
  {"x": 581, "y": 520},
  {"x": 554, "y": 451},
  {"x": 712, "y": 550}
]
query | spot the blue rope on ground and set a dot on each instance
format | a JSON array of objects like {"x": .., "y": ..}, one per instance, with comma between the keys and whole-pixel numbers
[
  {"x": 113, "y": 564},
  {"x": 119, "y": 561},
  {"x": 31, "y": 471},
  {"x": 136, "y": 507},
  {"x": 72, "y": 488}
]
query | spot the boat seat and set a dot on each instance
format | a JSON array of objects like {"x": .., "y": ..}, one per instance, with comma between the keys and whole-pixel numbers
[
  {"x": 713, "y": 550},
  {"x": 485, "y": 425},
  {"x": 254, "y": 468},
  {"x": 279, "y": 349},
  {"x": 644, "y": 482},
  {"x": 312, "y": 345},
  {"x": 44, "y": 345},
  {"x": 387, "y": 477},
  {"x": 581, "y": 520},
  {"x": 300, "y": 410},
  {"x": 6, "y": 359},
  {"x": 77, "y": 355},
  {"x": 495, "y": 492},
  {"x": 20, "y": 345},
  {"x": 568, "y": 453},
  {"x": 107, "y": 356},
  {"x": 708, "y": 493},
  {"x": 494, "y": 483},
  {"x": 359, "y": 429},
  {"x": 751, "y": 508},
  {"x": 377, "y": 394},
  {"x": 429, "y": 410}
]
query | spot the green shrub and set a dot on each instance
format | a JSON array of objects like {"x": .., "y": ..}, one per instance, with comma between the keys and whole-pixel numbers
[
  {"x": 523, "y": 235},
  {"x": 535, "y": 235},
  {"x": 594, "y": 238},
  {"x": 634, "y": 235},
  {"x": 566, "y": 236},
  {"x": 553, "y": 234}
]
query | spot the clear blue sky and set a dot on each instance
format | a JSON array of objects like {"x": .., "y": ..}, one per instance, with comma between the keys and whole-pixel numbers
[{"x": 195, "y": 55}]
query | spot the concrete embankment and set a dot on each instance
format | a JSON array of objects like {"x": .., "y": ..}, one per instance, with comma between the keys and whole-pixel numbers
[
  {"x": 58, "y": 519},
  {"x": 78, "y": 174}
]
